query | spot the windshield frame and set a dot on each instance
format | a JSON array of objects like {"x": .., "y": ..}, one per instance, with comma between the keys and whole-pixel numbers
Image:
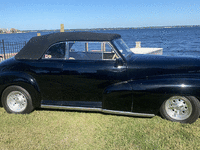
[{"x": 122, "y": 47}]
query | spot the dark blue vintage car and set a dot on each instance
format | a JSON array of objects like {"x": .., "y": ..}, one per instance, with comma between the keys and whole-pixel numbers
[{"x": 98, "y": 72}]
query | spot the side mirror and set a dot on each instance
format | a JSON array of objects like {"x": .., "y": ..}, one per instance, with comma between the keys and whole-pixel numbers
[{"x": 119, "y": 62}]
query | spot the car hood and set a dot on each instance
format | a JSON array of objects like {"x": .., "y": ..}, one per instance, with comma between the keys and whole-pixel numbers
[{"x": 142, "y": 66}]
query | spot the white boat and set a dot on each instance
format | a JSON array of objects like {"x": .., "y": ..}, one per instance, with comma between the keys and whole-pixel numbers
[{"x": 144, "y": 50}]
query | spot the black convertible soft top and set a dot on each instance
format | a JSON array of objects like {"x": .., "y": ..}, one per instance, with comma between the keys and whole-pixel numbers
[{"x": 37, "y": 46}]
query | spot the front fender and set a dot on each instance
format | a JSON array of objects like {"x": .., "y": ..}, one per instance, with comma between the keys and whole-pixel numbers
[
  {"x": 148, "y": 95},
  {"x": 118, "y": 97},
  {"x": 171, "y": 86}
]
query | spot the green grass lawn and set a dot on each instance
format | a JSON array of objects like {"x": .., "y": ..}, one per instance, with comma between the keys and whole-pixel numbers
[{"x": 45, "y": 129}]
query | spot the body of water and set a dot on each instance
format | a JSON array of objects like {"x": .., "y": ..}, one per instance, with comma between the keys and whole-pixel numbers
[{"x": 174, "y": 41}]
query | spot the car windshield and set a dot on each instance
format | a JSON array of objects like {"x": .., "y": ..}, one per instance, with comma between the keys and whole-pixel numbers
[{"x": 122, "y": 47}]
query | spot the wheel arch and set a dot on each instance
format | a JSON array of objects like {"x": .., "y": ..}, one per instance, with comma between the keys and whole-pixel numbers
[
  {"x": 147, "y": 96},
  {"x": 160, "y": 89},
  {"x": 23, "y": 80}
]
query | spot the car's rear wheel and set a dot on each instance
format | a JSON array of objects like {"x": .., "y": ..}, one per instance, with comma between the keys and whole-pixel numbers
[
  {"x": 180, "y": 109},
  {"x": 16, "y": 99}
]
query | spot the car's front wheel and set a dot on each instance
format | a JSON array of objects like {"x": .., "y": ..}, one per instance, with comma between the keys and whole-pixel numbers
[
  {"x": 16, "y": 99},
  {"x": 184, "y": 109}
]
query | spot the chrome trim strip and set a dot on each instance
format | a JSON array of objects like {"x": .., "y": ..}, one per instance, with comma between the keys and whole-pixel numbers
[
  {"x": 127, "y": 113},
  {"x": 71, "y": 108},
  {"x": 98, "y": 110},
  {"x": 88, "y": 104}
]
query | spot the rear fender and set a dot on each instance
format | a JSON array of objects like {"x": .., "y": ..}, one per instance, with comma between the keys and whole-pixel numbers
[{"x": 21, "y": 79}]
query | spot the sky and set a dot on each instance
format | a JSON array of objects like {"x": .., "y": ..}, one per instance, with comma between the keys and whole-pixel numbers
[{"x": 88, "y": 14}]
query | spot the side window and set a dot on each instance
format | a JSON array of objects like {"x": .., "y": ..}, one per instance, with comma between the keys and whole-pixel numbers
[
  {"x": 79, "y": 50},
  {"x": 56, "y": 51}
]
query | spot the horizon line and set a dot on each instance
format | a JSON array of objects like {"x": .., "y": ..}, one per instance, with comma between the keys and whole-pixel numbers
[{"x": 116, "y": 28}]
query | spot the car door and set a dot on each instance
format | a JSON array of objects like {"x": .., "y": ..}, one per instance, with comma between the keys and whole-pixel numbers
[{"x": 89, "y": 68}]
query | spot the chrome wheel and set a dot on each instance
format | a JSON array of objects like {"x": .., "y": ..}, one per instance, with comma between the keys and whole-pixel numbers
[
  {"x": 16, "y": 101},
  {"x": 178, "y": 107}
]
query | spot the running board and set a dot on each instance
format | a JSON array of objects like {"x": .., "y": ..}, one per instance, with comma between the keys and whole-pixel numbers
[{"x": 98, "y": 110}]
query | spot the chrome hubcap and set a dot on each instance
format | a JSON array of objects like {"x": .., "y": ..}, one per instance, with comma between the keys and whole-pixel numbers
[
  {"x": 178, "y": 107},
  {"x": 17, "y": 101}
]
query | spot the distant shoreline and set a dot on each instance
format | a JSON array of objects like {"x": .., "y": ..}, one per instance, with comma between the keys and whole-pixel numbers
[
  {"x": 127, "y": 28},
  {"x": 14, "y": 33},
  {"x": 99, "y": 29}
]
